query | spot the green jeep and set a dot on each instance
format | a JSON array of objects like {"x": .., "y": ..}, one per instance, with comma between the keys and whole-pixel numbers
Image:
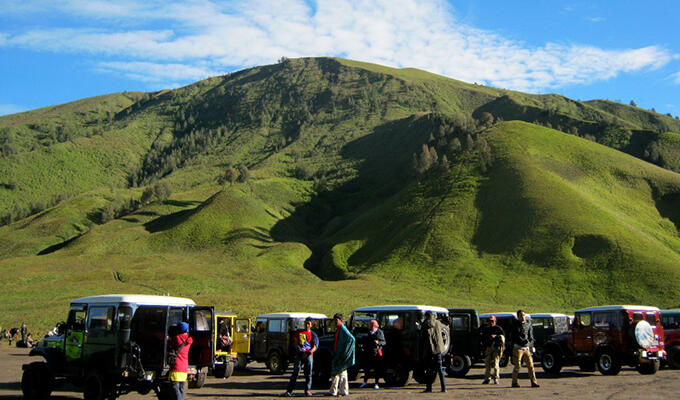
[{"x": 116, "y": 344}]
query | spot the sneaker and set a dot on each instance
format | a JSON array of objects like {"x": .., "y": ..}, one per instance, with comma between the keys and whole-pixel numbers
[
  {"x": 287, "y": 394},
  {"x": 363, "y": 385},
  {"x": 376, "y": 387},
  {"x": 308, "y": 394},
  {"x": 515, "y": 384},
  {"x": 535, "y": 384},
  {"x": 494, "y": 382},
  {"x": 486, "y": 382},
  {"x": 428, "y": 390}
]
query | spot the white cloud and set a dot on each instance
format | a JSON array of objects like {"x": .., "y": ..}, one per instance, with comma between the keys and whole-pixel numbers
[
  {"x": 157, "y": 73},
  {"x": 676, "y": 77},
  {"x": 595, "y": 19},
  {"x": 400, "y": 33},
  {"x": 6, "y": 109}
]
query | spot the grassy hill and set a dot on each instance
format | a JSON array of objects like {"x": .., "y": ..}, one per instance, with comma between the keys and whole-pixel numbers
[{"x": 343, "y": 184}]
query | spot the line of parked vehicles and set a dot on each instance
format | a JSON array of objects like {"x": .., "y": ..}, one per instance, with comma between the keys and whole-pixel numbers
[{"x": 116, "y": 344}]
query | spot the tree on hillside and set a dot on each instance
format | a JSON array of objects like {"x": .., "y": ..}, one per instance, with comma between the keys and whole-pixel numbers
[
  {"x": 633, "y": 103},
  {"x": 243, "y": 173},
  {"x": 162, "y": 191},
  {"x": 485, "y": 119}
]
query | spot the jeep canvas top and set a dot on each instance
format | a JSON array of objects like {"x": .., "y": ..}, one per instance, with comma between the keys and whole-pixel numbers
[
  {"x": 294, "y": 315},
  {"x": 402, "y": 308},
  {"x": 135, "y": 299}
]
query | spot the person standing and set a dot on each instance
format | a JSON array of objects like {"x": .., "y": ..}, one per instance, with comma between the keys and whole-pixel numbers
[
  {"x": 306, "y": 342},
  {"x": 433, "y": 345},
  {"x": 373, "y": 345},
  {"x": 180, "y": 343},
  {"x": 522, "y": 341},
  {"x": 493, "y": 343},
  {"x": 343, "y": 357},
  {"x": 24, "y": 332}
]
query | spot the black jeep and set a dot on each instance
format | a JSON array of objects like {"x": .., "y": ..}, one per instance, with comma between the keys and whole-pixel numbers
[
  {"x": 116, "y": 344},
  {"x": 466, "y": 348}
]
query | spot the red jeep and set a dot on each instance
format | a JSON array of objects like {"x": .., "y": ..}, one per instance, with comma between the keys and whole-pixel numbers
[
  {"x": 609, "y": 337},
  {"x": 670, "y": 320}
]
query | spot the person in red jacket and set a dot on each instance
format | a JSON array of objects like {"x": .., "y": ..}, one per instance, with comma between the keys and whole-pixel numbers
[{"x": 178, "y": 372}]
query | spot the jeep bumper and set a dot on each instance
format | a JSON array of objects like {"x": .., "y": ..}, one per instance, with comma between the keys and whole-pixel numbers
[{"x": 648, "y": 355}]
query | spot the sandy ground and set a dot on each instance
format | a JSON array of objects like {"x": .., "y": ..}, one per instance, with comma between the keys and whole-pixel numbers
[{"x": 257, "y": 382}]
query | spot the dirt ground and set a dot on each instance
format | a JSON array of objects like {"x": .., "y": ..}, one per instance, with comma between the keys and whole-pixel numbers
[{"x": 257, "y": 382}]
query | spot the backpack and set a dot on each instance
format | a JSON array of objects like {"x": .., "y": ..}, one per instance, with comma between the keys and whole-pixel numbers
[{"x": 172, "y": 354}]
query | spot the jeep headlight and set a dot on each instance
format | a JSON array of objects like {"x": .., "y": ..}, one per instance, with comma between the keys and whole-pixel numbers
[{"x": 148, "y": 376}]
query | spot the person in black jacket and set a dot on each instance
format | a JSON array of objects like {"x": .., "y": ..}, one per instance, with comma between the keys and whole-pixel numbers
[
  {"x": 522, "y": 338},
  {"x": 373, "y": 356},
  {"x": 493, "y": 343}
]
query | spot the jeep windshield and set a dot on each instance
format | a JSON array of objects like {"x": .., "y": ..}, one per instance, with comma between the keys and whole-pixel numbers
[{"x": 318, "y": 325}]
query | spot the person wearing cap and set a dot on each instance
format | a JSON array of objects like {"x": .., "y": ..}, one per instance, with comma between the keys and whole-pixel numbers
[
  {"x": 343, "y": 357},
  {"x": 305, "y": 342},
  {"x": 180, "y": 343},
  {"x": 493, "y": 343},
  {"x": 372, "y": 355}
]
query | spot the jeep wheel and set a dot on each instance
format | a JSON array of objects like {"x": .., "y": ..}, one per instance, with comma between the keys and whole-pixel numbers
[
  {"x": 649, "y": 368},
  {"x": 397, "y": 375},
  {"x": 277, "y": 364},
  {"x": 220, "y": 371},
  {"x": 551, "y": 361},
  {"x": 674, "y": 357},
  {"x": 241, "y": 361},
  {"x": 200, "y": 379},
  {"x": 37, "y": 381},
  {"x": 608, "y": 363},
  {"x": 459, "y": 366},
  {"x": 96, "y": 388}
]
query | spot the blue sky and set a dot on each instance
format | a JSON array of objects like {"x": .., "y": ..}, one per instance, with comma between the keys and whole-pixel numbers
[{"x": 55, "y": 51}]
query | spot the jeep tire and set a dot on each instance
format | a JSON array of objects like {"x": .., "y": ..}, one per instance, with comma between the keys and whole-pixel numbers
[
  {"x": 198, "y": 383},
  {"x": 37, "y": 381},
  {"x": 607, "y": 362},
  {"x": 551, "y": 362},
  {"x": 277, "y": 363},
  {"x": 674, "y": 357},
  {"x": 397, "y": 374},
  {"x": 459, "y": 366},
  {"x": 96, "y": 388},
  {"x": 649, "y": 368},
  {"x": 241, "y": 361}
]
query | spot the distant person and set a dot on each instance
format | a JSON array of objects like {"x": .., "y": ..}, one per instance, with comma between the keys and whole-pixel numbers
[
  {"x": 522, "y": 337},
  {"x": 433, "y": 345},
  {"x": 180, "y": 344},
  {"x": 24, "y": 332},
  {"x": 373, "y": 354},
  {"x": 343, "y": 357},
  {"x": 224, "y": 338},
  {"x": 493, "y": 343},
  {"x": 29, "y": 341},
  {"x": 305, "y": 342}
]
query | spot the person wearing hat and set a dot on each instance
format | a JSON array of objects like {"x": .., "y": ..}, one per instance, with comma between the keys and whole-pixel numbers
[
  {"x": 305, "y": 342},
  {"x": 343, "y": 357},
  {"x": 493, "y": 343},
  {"x": 180, "y": 343}
]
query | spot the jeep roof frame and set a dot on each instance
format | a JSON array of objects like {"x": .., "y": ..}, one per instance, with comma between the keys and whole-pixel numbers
[
  {"x": 618, "y": 308},
  {"x": 292, "y": 315},
  {"x": 140, "y": 299},
  {"x": 407, "y": 307}
]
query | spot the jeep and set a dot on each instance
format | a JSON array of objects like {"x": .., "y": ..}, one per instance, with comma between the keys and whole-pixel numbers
[
  {"x": 670, "y": 320},
  {"x": 115, "y": 344},
  {"x": 608, "y": 337},
  {"x": 401, "y": 325},
  {"x": 272, "y": 340},
  {"x": 227, "y": 354},
  {"x": 545, "y": 326},
  {"x": 465, "y": 342}
]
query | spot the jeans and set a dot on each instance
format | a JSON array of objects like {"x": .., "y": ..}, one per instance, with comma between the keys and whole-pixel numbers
[
  {"x": 308, "y": 364},
  {"x": 435, "y": 362},
  {"x": 178, "y": 390}
]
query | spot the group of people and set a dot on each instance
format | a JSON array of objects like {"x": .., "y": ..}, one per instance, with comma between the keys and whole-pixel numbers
[
  {"x": 432, "y": 342},
  {"x": 521, "y": 339},
  {"x": 9, "y": 334}
]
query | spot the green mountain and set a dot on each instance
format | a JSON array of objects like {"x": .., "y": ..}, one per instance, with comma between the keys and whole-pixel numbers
[{"x": 324, "y": 184}]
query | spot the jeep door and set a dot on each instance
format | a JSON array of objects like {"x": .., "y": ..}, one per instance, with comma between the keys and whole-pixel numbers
[
  {"x": 465, "y": 334},
  {"x": 73, "y": 343},
  {"x": 277, "y": 335},
  {"x": 241, "y": 336},
  {"x": 100, "y": 338},
  {"x": 260, "y": 339},
  {"x": 202, "y": 332},
  {"x": 583, "y": 334},
  {"x": 149, "y": 331}
]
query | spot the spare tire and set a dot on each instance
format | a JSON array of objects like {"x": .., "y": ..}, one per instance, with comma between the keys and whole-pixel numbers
[
  {"x": 446, "y": 335},
  {"x": 644, "y": 335}
]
